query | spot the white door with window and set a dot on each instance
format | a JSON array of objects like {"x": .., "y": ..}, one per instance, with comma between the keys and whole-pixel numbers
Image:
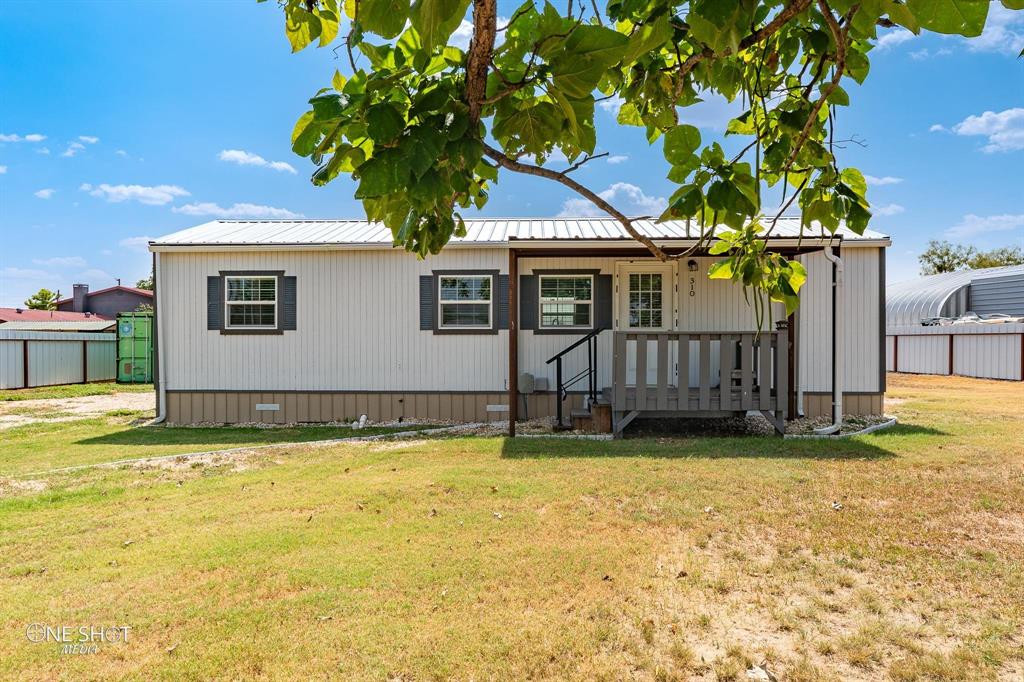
[{"x": 644, "y": 303}]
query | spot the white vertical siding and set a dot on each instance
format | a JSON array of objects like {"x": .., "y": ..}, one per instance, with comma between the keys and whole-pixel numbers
[
  {"x": 990, "y": 356},
  {"x": 102, "y": 356},
  {"x": 924, "y": 354},
  {"x": 12, "y": 371},
  {"x": 54, "y": 362},
  {"x": 358, "y": 326},
  {"x": 890, "y": 358},
  {"x": 862, "y": 317}
]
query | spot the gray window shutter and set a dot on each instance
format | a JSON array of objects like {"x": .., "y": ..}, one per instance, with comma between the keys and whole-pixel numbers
[
  {"x": 604, "y": 301},
  {"x": 502, "y": 301},
  {"x": 426, "y": 302},
  {"x": 215, "y": 302},
  {"x": 529, "y": 302},
  {"x": 286, "y": 320}
]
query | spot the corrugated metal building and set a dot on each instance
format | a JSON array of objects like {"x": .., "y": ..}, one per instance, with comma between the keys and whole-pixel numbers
[
  {"x": 45, "y": 358},
  {"x": 986, "y": 350},
  {"x": 321, "y": 320}
]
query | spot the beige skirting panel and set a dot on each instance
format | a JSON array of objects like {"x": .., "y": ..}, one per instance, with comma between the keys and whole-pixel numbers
[
  {"x": 196, "y": 407},
  {"x": 820, "y": 404}
]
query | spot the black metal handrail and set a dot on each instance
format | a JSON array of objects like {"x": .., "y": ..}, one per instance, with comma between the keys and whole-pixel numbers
[{"x": 590, "y": 372}]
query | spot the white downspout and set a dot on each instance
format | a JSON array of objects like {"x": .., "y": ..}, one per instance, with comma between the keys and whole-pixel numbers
[
  {"x": 838, "y": 333},
  {"x": 161, "y": 399}
]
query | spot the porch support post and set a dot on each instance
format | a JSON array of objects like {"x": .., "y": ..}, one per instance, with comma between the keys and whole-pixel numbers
[
  {"x": 791, "y": 398},
  {"x": 513, "y": 341}
]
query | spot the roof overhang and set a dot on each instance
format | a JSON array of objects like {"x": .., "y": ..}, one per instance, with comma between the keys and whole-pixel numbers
[{"x": 566, "y": 245}]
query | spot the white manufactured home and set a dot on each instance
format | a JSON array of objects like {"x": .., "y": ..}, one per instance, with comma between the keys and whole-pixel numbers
[{"x": 320, "y": 320}]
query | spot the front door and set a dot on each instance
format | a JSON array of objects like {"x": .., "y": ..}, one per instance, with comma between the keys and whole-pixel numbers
[{"x": 643, "y": 304}]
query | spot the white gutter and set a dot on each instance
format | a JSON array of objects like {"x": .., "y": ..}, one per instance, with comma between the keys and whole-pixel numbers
[
  {"x": 838, "y": 332},
  {"x": 161, "y": 398}
]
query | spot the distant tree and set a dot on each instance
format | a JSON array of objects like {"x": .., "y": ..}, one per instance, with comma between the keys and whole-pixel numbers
[
  {"x": 1005, "y": 255},
  {"x": 146, "y": 283},
  {"x": 44, "y": 299},
  {"x": 144, "y": 307},
  {"x": 947, "y": 257}
]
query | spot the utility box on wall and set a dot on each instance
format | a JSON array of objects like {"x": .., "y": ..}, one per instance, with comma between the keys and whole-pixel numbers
[{"x": 135, "y": 348}]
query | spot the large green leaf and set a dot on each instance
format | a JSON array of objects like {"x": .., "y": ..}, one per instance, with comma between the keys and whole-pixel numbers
[
  {"x": 301, "y": 27},
  {"x": 961, "y": 17},
  {"x": 436, "y": 20},
  {"x": 647, "y": 37},
  {"x": 586, "y": 54},
  {"x": 386, "y": 18},
  {"x": 720, "y": 24},
  {"x": 384, "y": 123},
  {"x": 385, "y": 173},
  {"x": 680, "y": 143}
]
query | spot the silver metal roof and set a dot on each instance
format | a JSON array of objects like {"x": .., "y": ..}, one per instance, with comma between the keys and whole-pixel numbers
[
  {"x": 59, "y": 325},
  {"x": 481, "y": 231},
  {"x": 907, "y": 303}
]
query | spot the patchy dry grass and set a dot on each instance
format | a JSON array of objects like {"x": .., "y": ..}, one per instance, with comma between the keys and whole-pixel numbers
[
  {"x": 72, "y": 391},
  {"x": 690, "y": 558}
]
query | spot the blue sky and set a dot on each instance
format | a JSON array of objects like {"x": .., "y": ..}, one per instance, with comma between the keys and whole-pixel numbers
[{"x": 124, "y": 121}]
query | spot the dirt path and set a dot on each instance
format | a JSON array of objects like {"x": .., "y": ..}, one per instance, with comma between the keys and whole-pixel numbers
[{"x": 19, "y": 413}]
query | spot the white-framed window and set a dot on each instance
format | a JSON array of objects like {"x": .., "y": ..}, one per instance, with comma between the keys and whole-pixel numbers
[
  {"x": 646, "y": 304},
  {"x": 250, "y": 302},
  {"x": 566, "y": 301},
  {"x": 464, "y": 301}
]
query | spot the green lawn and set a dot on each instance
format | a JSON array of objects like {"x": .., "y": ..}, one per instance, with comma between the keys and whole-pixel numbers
[
  {"x": 45, "y": 446},
  {"x": 72, "y": 391},
  {"x": 896, "y": 555}
]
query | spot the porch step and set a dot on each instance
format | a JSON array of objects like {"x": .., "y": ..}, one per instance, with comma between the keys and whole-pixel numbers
[{"x": 598, "y": 419}]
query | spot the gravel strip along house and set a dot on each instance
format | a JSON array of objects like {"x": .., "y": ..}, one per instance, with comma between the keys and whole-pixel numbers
[{"x": 323, "y": 320}]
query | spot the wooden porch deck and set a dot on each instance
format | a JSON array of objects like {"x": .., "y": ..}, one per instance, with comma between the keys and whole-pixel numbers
[{"x": 755, "y": 368}]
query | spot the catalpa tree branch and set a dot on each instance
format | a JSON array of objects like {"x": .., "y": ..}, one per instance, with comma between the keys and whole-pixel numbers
[{"x": 426, "y": 128}]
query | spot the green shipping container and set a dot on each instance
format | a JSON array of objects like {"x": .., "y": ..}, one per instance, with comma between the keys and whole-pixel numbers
[{"x": 135, "y": 348}]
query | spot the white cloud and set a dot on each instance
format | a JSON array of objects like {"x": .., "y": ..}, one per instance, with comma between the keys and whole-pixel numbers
[
  {"x": 937, "y": 128},
  {"x": 43, "y": 150},
  {"x": 32, "y": 137},
  {"x": 244, "y": 158},
  {"x": 462, "y": 35},
  {"x": 973, "y": 225},
  {"x": 97, "y": 277},
  {"x": 3, "y": 170},
  {"x": 892, "y": 38},
  {"x": 617, "y": 159},
  {"x": 73, "y": 149},
  {"x": 121, "y": 152},
  {"x": 888, "y": 209},
  {"x": 88, "y": 139},
  {"x": 628, "y": 198},
  {"x": 25, "y": 273},
  {"x": 135, "y": 243},
  {"x": 151, "y": 196},
  {"x": 925, "y": 53},
  {"x": 235, "y": 211},
  {"x": 61, "y": 261},
  {"x": 1004, "y": 32},
  {"x": 612, "y": 104},
  {"x": 1004, "y": 130},
  {"x": 45, "y": 193},
  {"x": 884, "y": 180}
]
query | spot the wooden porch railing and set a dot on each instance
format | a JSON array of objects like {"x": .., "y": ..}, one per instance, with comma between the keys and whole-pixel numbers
[{"x": 753, "y": 371}]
